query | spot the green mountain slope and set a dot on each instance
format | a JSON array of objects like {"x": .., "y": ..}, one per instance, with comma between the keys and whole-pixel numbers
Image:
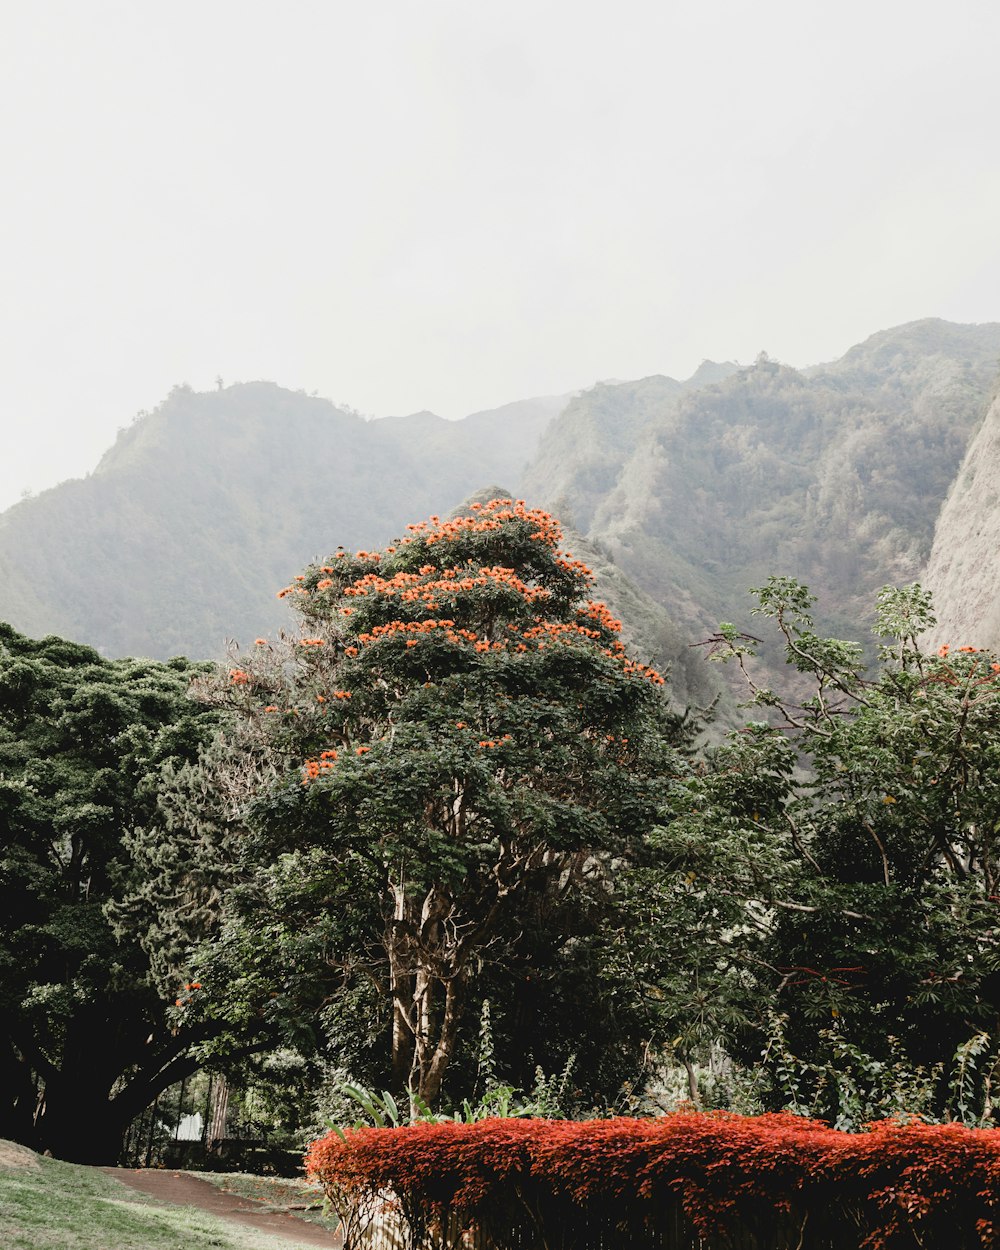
[
  {"x": 584, "y": 450},
  {"x": 834, "y": 474},
  {"x": 695, "y": 490}
]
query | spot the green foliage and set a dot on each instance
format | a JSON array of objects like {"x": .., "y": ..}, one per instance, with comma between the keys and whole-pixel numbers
[
  {"x": 87, "y": 980},
  {"x": 548, "y": 1099},
  {"x": 451, "y": 755},
  {"x": 847, "y": 856},
  {"x": 849, "y": 1088}
]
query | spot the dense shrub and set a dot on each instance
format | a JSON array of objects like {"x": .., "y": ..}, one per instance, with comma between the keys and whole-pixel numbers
[{"x": 771, "y": 1181}]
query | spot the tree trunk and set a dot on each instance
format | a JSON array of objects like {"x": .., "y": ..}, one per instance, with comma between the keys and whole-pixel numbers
[
  {"x": 19, "y": 1099},
  {"x": 219, "y": 1113},
  {"x": 80, "y": 1123},
  {"x": 401, "y": 987},
  {"x": 427, "y": 968},
  {"x": 447, "y": 1038}
]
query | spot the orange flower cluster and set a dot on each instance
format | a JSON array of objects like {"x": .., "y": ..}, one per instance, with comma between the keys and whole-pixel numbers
[
  {"x": 432, "y": 585},
  {"x": 313, "y": 767},
  {"x": 238, "y": 677},
  {"x": 973, "y": 675},
  {"x": 564, "y": 633},
  {"x": 488, "y": 743},
  {"x": 597, "y": 611},
  {"x": 311, "y": 642},
  {"x": 565, "y": 561},
  {"x": 414, "y": 627},
  {"x": 489, "y": 516},
  {"x": 294, "y": 590},
  {"x": 191, "y": 985},
  {"x": 633, "y": 668},
  {"x": 409, "y": 588},
  {"x": 557, "y": 629},
  {"x": 539, "y": 635}
]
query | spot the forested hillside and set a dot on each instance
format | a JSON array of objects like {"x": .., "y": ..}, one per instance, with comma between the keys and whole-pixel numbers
[
  {"x": 202, "y": 508},
  {"x": 834, "y": 474}
]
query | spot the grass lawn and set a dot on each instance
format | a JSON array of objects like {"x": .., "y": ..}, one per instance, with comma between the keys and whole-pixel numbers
[{"x": 48, "y": 1205}]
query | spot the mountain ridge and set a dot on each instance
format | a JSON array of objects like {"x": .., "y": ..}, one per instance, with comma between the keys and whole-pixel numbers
[{"x": 694, "y": 489}]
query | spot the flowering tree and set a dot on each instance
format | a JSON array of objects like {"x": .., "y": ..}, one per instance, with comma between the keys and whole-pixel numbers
[{"x": 457, "y": 734}]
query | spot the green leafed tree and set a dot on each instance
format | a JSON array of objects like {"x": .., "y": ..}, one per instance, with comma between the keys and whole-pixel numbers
[
  {"x": 438, "y": 776},
  {"x": 93, "y": 933},
  {"x": 849, "y": 850}
]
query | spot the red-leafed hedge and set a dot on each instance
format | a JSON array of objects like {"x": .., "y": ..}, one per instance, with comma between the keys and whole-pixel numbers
[{"x": 769, "y": 1181}]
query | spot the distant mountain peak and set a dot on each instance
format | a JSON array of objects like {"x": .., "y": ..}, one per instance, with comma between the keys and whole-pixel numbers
[{"x": 711, "y": 371}]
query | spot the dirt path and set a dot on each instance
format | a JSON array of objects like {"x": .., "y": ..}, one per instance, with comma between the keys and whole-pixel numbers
[{"x": 188, "y": 1191}]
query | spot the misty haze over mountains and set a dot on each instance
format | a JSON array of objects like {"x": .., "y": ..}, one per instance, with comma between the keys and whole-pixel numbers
[{"x": 683, "y": 494}]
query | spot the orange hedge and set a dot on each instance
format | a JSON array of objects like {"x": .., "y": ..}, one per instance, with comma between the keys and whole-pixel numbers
[{"x": 779, "y": 1179}]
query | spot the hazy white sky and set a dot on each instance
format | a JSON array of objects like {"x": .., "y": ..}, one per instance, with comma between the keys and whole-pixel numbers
[{"x": 450, "y": 204}]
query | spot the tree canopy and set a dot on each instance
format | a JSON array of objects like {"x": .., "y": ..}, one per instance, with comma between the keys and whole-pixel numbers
[
  {"x": 847, "y": 851},
  {"x": 454, "y": 751},
  {"x": 89, "y": 960}
]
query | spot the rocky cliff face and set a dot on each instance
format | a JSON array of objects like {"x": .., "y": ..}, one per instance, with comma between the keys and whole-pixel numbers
[{"x": 963, "y": 572}]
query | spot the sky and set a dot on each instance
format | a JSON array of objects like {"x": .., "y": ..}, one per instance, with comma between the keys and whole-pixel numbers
[{"x": 453, "y": 204}]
